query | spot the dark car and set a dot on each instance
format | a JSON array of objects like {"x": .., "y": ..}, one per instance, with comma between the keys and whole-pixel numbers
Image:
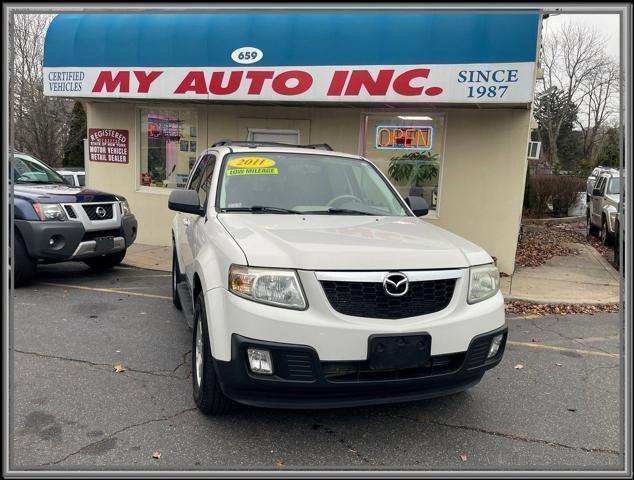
[{"x": 55, "y": 221}]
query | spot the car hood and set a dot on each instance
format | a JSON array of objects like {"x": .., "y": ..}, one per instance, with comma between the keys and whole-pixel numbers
[
  {"x": 61, "y": 193},
  {"x": 329, "y": 242},
  {"x": 613, "y": 199}
]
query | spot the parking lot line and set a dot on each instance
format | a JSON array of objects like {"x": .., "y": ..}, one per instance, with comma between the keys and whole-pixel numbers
[
  {"x": 107, "y": 290},
  {"x": 563, "y": 349}
]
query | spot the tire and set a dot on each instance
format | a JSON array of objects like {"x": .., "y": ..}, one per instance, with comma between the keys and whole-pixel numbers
[
  {"x": 176, "y": 277},
  {"x": 25, "y": 266},
  {"x": 207, "y": 393},
  {"x": 606, "y": 238},
  {"x": 105, "y": 262},
  {"x": 591, "y": 230}
]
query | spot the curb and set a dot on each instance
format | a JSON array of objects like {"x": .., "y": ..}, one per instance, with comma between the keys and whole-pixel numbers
[
  {"x": 541, "y": 301},
  {"x": 145, "y": 266},
  {"x": 550, "y": 221}
]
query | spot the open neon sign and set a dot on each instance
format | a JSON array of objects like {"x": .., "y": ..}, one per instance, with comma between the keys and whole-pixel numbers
[{"x": 389, "y": 137}]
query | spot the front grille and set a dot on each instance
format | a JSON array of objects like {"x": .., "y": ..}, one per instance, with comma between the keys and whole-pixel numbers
[
  {"x": 101, "y": 233},
  {"x": 91, "y": 211},
  {"x": 360, "y": 372},
  {"x": 70, "y": 212},
  {"x": 368, "y": 299}
]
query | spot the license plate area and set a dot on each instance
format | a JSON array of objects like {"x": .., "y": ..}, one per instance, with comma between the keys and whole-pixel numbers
[
  {"x": 388, "y": 352},
  {"x": 104, "y": 244}
]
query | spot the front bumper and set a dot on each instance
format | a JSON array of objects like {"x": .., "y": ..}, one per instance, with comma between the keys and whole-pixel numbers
[
  {"x": 302, "y": 380},
  {"x": 71, "y": 240}
]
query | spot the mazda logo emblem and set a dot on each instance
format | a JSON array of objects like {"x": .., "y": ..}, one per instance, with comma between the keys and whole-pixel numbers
[
  {"x": 396, "y": 284},
  {"x": 101, "y": 212}
]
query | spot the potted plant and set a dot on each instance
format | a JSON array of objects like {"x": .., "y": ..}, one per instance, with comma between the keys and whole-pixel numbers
[{"x": 415, "y": 167}]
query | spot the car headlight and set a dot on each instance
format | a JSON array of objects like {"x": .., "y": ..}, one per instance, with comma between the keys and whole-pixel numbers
[
  {"x": 484, "y": 282},
  {"x": 50, "y": 211},
  {"x": 125, "y": 208},
  {"x": 271, "y": 286}
]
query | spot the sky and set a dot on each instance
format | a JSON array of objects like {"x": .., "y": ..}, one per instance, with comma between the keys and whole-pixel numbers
[{"x": 607, "y": 24}]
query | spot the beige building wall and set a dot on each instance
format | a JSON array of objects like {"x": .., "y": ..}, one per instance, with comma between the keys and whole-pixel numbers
[{"x": 481, "y": 178}]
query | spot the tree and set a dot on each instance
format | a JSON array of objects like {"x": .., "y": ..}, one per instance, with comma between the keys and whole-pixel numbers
[
  {"x": 74, "y": 148},
  {"x": 555, "y": 113},
  {"x": 39, "y": 122},
  {"x": 577, "y": 71}
]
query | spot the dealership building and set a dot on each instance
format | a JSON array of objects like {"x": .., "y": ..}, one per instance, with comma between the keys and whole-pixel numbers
[{"x": 439, "y": 101}]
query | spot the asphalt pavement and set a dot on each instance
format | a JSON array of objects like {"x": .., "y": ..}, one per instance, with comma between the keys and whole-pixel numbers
[{"x": 561, "y": 410}]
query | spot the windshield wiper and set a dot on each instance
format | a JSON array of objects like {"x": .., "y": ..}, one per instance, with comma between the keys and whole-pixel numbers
[
  {"x": 340, "y": 211},
  {"x": 261, "y": 209}
]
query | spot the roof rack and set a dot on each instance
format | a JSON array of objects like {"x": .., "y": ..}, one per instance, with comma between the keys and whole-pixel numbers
[{"x": 254, "y": 144}]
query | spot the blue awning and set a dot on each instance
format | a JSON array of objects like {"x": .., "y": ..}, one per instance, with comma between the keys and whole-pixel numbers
[{"x": 298, "y": 39}]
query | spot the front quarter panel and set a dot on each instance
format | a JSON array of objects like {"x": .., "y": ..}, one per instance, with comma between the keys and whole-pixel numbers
[
  {"x": 23, "y": 210},
  {"x": 216, "y": 250}
]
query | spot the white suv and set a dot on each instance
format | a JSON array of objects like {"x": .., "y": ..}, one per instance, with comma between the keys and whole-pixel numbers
[{"x": 309, "y": 283}]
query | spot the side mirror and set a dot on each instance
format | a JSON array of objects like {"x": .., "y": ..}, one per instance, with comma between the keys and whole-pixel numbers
[
  {"x": 185, "y": 201},
  {"x": 418, "y": 205}
]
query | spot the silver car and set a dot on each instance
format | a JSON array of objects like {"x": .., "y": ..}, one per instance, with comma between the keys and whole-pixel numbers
[{"x": 603, "y": 205}]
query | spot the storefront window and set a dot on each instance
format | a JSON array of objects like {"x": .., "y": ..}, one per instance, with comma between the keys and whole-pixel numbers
[
  {"x": 408, "y": 148},
  {"x": 168, "y": 147}
]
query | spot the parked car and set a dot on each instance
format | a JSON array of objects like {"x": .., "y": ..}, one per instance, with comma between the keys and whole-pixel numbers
[
  {"x": 604, "y": 205},
  {"x": 590, "y": 182},
  {"x": 74, "y": 176},
  {"x": 56, "y": 222},
  {"x": 310, "y": 283}
]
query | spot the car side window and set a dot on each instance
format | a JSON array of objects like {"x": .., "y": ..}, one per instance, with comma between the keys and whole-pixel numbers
[
  {"x": 196, "y": 175},
  {"x": 604, "y": 181},
  {"x": 82, "y": 180},
  {"x": 205, "y": 180}
]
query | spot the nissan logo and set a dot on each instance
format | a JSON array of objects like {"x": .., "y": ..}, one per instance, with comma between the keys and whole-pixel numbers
[
  {"x": 396, "y": 284},
  {"x": 101, "y": 212}
]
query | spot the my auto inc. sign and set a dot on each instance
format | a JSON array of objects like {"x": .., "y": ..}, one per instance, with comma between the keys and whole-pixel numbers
[{"x": 400, "y": 58}]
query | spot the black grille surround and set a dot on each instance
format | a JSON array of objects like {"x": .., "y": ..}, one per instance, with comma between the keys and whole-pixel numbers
[
  {"x": 91, "y": 211},
  {"x": 369, "y": 300}
]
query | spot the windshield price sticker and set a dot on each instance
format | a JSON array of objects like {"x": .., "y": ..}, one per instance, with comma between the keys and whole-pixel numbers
[
  {"x": 252, "y": 162},
  {"x": 252, "y": 171}
]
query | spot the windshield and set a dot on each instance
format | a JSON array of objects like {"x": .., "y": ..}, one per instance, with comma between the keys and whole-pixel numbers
[
  {"x": 29, "y": 170},
  {"x": 614, "y": 187},
  {"x": 305, "y": 183}
]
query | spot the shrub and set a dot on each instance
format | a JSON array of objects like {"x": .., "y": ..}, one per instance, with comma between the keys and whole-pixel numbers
[{"x": 559, "y": 190}]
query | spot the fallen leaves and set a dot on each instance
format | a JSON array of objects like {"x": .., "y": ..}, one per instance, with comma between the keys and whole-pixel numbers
[
  {"x": 119, "y": 368},
  {"x": 519, "y": 366},
  {"x": 156, "y": 455},
  {"x": 463, "y": 457},
  {"x": 527, "y": 308},
  {"x": 279, "y": 463},
  {"x": 535, "y": 247}
]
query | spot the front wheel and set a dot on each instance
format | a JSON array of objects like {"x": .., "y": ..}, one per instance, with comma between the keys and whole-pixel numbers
[
  {"x": 107, "y": 261},
  {"x": 606, "y": 238},
  {"x": 25, "y": 266},
  {"x": 591, "y": 230},
  {"x": 208, "y": 395}
]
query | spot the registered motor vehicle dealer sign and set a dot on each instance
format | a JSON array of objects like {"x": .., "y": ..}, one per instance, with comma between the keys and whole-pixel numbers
[{"x": 108, "y": 145}]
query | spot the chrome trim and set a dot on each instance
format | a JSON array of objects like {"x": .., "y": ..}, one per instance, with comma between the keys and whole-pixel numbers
[
  {"x": 93, "y": 225},
  {"x": 377, "y": 277},
  {"x": 87, "y": 249}
]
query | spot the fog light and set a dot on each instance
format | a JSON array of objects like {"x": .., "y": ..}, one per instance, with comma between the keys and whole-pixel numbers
[
  {"x": 495, "y": 345},
  {"x": 260, "y": 361}
]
